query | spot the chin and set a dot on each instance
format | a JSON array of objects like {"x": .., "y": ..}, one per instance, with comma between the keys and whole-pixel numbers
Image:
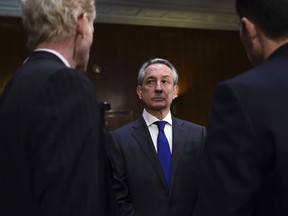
[{"x": 158, "y": 107}]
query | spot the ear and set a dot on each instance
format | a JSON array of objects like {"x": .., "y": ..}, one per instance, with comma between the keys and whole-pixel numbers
[
  {"x": 81, "y": 24},
  {"x": 248, "y": 29},
  {"x": 139, "y": 91},
  {"x": 175, "y": 91}
]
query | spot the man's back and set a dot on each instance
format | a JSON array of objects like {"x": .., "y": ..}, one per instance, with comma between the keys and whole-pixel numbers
[
  {"x": 50, "y": 141},
  {"x": 247, "y": 143}
]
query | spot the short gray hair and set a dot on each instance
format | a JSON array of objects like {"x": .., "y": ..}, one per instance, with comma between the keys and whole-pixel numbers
[{"x": 141, "y": 72}]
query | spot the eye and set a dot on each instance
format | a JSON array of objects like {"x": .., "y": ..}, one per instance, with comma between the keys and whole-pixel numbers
[
  {"x": 165, "y": 82},
  {"x": 150, "y": 82}
]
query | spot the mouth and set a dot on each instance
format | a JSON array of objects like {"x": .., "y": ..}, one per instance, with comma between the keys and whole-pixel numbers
[{"x": 158, "y": 98}]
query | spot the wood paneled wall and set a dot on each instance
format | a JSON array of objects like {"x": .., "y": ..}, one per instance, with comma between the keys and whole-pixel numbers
[
  {"x": 12, "y": 48},
  {"x": 202, "y": 57}
]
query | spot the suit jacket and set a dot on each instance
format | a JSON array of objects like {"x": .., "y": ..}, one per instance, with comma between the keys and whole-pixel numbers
[
  {"x": 244, "y": 169},
  {"x": 51, "y": 152},
  {"x": 138, "y": 180}
]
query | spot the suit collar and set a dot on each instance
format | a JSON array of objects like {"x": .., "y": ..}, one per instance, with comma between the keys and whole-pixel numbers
[
  {"x": 281, "y": 51},
  {"x": 143, "y": 138},
  {"x": 59, "y": 55},
  {"x": 150, "y": 119},
  {"x": 43, "y": 55},
  {"x": 179, "y": 142}
]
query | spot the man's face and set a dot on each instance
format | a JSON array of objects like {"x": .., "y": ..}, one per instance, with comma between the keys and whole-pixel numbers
[{"x": 158, "y": 90}]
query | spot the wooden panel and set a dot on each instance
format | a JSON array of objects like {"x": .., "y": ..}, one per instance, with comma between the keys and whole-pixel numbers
[
  {"x": 117, "y": 118},
  {"x": 203, "y": 58},
  {"x": 12, "y": 48}
]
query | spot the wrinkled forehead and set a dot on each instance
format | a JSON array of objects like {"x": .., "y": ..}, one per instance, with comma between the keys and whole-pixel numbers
[{"x": 158, "y": 70}]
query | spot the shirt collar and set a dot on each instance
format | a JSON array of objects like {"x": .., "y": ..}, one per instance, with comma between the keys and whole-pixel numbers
[
  {"x": 150, "y": 119},
  {"x": 57, "y": 54}
]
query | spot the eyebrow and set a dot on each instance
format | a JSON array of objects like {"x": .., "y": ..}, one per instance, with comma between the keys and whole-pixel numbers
[{"x": 153, "y": 77}]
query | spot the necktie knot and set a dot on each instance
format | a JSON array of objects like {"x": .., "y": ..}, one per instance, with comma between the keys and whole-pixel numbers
[{"x": 160, "y": 125}]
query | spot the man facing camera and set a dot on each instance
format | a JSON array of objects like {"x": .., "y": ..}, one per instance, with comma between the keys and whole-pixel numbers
[{"x": 154, "y": 158}]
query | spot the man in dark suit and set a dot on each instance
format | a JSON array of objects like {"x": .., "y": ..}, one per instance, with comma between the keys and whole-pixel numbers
[
  {"x": 51, "y": 150},
  {"x": 244, "y": 169},
  {"x": 141, "y": 185}
]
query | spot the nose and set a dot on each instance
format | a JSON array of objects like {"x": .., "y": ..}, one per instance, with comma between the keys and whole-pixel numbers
[{"x": 158, "y": 86}]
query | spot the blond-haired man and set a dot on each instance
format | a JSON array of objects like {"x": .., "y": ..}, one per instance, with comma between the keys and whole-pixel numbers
[{"x": 51, "y": 149}]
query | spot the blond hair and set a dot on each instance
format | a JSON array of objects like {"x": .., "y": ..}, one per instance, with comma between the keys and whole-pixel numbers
[{"x": 52, "y": 20}]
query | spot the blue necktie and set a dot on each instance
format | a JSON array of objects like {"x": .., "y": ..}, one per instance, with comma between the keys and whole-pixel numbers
[{"x": 163, "y": 148}]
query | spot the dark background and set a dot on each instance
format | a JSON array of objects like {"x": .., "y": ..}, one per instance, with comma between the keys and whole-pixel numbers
[{"x": 202, "y": 58}]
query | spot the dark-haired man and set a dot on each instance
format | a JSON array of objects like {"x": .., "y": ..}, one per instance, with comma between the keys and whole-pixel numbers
[{"x": 244, "y": 167}]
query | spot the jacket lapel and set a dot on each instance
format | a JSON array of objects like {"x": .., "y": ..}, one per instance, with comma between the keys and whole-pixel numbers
[
  {"x": 143, "y": 138},
  {"x": 179, "y": 141}
]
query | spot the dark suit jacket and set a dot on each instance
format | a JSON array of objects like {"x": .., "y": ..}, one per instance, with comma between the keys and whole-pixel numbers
[
  {"x": 51, "y": 150},
  {"x": 137, "y": 176},
  {"x": 245, "y": 159}
]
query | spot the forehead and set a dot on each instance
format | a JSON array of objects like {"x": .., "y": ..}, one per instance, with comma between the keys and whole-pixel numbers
[{"x": 158, "y": 70}]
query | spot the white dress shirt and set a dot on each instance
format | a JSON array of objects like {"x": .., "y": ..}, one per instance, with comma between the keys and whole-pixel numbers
[
  {"x": 153, "y": 129},
  {"x": 57, "y": 54}
]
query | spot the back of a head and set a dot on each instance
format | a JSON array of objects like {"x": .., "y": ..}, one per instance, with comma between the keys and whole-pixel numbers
[
  {"x": 52, "y": 20},
  {"x": 270, "y": 15}
]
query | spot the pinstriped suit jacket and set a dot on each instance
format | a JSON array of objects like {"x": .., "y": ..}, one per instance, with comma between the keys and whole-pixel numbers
[{"x": 51, "y": 150}]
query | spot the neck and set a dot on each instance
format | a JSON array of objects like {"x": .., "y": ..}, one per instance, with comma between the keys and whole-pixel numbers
[
  {"x": 159, "y": 114},
  {"x": 269, "y": 46}
]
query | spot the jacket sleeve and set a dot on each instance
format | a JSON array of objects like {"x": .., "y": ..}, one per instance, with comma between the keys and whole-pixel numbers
[
  {"x": 233, "y": 161},
  {"x": 119, "y": 178},
  {"x": 67, "y": 148}
]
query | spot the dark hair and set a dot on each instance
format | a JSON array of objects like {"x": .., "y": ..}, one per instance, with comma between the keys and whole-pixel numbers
[{"x": 269, "y": 15}]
